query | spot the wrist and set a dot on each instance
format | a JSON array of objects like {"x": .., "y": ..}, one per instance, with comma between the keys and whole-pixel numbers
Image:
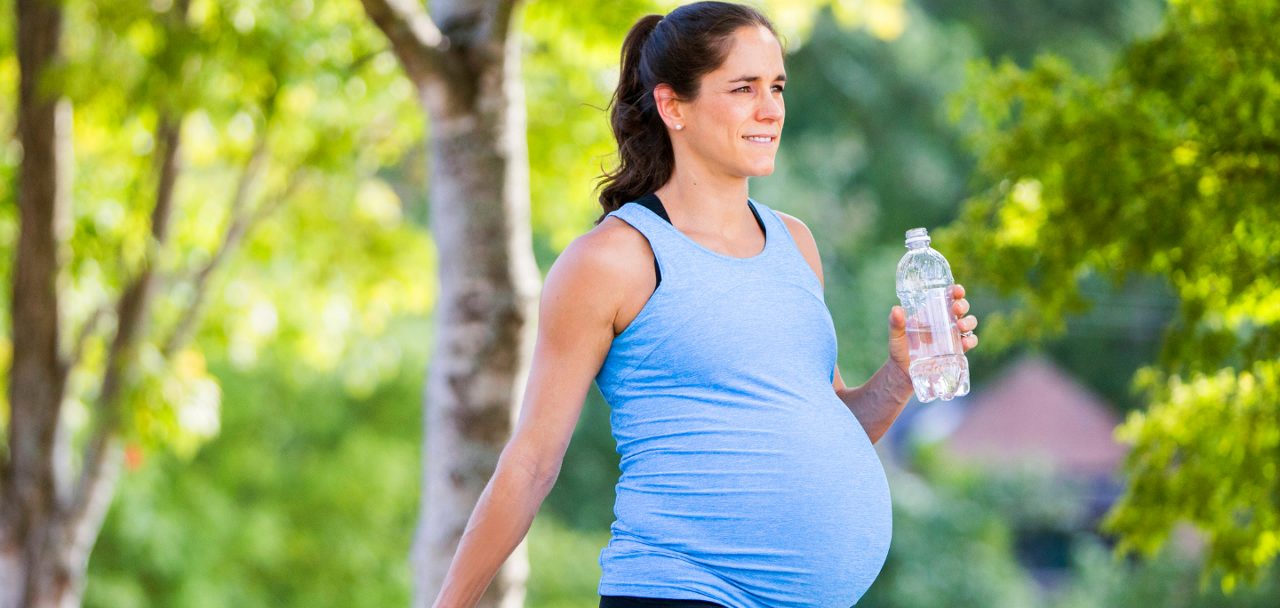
[{"x": 900, "y": 378}]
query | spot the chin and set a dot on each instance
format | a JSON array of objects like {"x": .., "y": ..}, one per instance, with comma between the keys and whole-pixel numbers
[{"x": 758, "y": 167}]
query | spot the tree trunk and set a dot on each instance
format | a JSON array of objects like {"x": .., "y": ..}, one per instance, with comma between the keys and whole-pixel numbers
[
  {"x": 479, "y": 198},
  {"x": 32, "y": 569},
  {"x": 467, "y": 74},
  {"x": 48, "y": 520}
]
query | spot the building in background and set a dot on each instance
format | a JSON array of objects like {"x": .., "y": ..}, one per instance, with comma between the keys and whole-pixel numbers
[
  {"x": 1036, "y": 414},
  {"x": 1033, "y": 415}
]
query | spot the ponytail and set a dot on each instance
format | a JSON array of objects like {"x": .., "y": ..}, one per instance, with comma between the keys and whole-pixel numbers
[{"x": 645, "y": 158}]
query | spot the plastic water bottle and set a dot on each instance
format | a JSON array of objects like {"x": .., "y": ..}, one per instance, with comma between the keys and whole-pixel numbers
[{"x": 939, "y": 368}]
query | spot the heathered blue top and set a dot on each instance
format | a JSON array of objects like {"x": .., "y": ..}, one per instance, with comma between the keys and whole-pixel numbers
[{"x": 744, "y": 479}]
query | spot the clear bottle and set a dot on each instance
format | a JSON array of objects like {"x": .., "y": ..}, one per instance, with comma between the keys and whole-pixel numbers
[{"x": 939, "y": 369}]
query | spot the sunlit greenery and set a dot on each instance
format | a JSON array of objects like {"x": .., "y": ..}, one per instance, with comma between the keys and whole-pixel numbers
[
  {"x": 287, "y": 113},
  {"x": 1168, "y": 166},
  {"x": 307, "y": 497}
]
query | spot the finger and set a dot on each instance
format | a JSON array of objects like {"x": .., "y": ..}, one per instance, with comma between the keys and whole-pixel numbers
[
  {"x": 960, "y": 307},
  {"x": 968, "y": 323},
  {"x": 969, "y": 342},
  {"x": 958, "y": 291}
]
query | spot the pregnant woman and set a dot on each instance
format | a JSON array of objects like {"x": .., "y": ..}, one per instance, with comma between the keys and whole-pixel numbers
[{"x": 748, "y": 476}]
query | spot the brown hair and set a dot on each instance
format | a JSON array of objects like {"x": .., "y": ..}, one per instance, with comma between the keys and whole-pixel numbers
[{"x": 678, "y": 50}]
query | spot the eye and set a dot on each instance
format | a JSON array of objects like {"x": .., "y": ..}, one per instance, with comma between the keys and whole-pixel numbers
[
  {"x": 744, "y": 87},
  {"x": 779, "y": 87}
]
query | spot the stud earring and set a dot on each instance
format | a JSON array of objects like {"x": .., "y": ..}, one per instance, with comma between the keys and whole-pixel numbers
[{"x": 678, "y": 127}]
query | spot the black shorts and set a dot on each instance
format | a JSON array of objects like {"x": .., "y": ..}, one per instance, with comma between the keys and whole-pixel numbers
[{"x": 630, "y": 601}]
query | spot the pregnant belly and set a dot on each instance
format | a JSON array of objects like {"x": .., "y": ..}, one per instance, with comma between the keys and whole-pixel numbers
[{"x": 798, "y": 507}]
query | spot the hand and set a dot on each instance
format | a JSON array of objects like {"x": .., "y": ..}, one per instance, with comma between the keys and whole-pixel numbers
[{"x": 900, "y": 350}]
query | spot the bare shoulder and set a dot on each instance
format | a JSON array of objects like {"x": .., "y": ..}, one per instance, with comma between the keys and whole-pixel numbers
[
  {"x": 803, "y": 237},
  {"x": 615, "y": 236},
  {"x": 605, "y": 266},
  {"x": 611, "y": 250}
]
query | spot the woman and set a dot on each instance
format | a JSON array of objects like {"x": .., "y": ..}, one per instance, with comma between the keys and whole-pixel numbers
[{"x": 748, "y": 473}]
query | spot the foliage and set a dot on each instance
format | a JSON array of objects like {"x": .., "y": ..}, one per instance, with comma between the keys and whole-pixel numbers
[
  {"x": 1168, "y": 579},
  {"x": 307, "y": 498},
  {"x": 1084, "y": 32},
  {"x": 287, "y": 112},
  {"x": 283, "y": 235},
  {"x": 1169, "y": 167}
]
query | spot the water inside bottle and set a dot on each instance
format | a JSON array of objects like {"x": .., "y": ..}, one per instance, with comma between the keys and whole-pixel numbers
[
  {"x": 943, "y": 377},
  {"x": 939, "y": 369}
]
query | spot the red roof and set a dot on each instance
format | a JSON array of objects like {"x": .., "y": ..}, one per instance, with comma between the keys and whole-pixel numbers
[{"x": 1035, "y": 411}]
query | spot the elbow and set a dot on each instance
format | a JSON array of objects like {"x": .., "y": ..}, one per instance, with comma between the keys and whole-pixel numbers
[
  {"x": 547, "y": 479},
  {"x": 541, "y": 473}
]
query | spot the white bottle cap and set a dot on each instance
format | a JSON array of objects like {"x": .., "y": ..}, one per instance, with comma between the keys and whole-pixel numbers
[{"x": 916, "y": 235}]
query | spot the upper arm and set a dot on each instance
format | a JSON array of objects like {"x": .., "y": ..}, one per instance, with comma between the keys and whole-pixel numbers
[
  {"x": 580, "y": 297},
  {"x": 803, "y": 237}
]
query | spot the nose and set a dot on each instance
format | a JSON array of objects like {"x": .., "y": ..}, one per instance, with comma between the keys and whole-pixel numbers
[{"x": 772, "y": 106}]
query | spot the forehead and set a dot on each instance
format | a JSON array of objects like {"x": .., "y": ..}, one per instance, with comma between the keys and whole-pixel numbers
[{"x": 753, "y": 50}]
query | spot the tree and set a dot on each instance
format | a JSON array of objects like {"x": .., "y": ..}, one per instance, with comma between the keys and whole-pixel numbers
[
  {"x": 466, "y": 74},
  {"x": 29, "y": 488},
  {"x": 209, "y": 130},
  {"x": 1168, "y": 166}
]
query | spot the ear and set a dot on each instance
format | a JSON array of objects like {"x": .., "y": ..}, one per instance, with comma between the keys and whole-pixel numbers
[{"x": 669, "y": 105}]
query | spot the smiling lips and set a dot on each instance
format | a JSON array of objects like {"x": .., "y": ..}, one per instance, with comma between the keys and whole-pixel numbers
[{"x": 760, "y": 139}]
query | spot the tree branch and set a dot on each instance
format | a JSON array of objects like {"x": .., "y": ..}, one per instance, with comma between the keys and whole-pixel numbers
[
  {"x": 359, "y": 62},
  {"x": 414, "y": 37},
  {"x": 97, "y": 476},
  {"x": 239, "y": 224},
  {"x": 82, "y": 336}
]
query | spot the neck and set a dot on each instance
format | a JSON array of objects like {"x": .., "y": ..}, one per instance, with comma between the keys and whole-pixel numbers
[{"x": 696, "y": 202}]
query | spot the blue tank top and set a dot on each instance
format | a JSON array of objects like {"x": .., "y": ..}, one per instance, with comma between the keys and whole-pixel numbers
[{"x": 744, "y": 479}]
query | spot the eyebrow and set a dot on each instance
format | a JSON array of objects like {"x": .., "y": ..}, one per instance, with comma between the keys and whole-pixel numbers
[{"x": 749, "y": 78}]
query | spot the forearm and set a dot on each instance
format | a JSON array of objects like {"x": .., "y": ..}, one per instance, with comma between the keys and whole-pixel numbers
[
  {"x": 500, "y": 520},
  {"x": 877, "y": 403}
]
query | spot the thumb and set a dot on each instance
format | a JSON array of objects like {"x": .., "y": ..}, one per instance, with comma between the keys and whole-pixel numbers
[{"x": 897, "y": 322}]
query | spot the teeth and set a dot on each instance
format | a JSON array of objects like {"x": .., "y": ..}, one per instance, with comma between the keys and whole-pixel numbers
[{"x": 763, "y": 140}]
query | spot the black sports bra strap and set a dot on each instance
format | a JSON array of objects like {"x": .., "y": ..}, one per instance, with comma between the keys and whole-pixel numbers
[{"x": 651, "y": 202}]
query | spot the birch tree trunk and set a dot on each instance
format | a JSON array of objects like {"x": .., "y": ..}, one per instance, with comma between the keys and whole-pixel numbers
[{"x": 466, "y": 71}]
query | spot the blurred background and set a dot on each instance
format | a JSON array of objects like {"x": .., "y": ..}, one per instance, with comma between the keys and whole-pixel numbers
[{"x": 272, "y": 457}]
